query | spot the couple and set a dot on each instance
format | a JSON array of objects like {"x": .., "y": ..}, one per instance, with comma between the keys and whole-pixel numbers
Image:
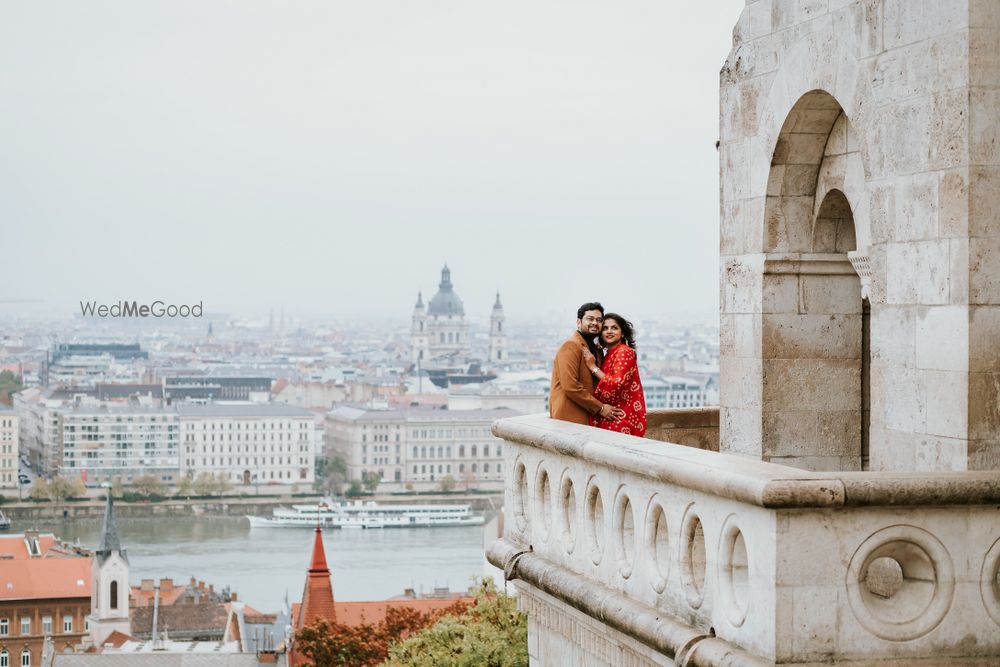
[{"x": 595, "y": 379}]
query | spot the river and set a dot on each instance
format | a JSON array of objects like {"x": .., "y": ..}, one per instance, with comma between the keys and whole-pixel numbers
[{"x": 262, "y": 564}]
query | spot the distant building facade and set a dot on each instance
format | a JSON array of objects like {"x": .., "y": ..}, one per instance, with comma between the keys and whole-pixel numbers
[
  {"x": 215, "y": 387},
  {"x": 249, "y": 443},
  {"x": 102, "y": 442},
  {"x": 8, "y": 448},
  {"x": 673, "y": 392},
  {"x": 420, "y": 447}
]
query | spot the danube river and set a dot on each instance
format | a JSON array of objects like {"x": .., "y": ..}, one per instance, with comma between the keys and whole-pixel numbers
[{"x": 263, "y": 563}]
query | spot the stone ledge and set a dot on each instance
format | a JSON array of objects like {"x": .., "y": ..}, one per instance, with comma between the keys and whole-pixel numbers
[
  {"x": 747, "y": 480},
  {"x": 682, "y": 643},
  {"x": 672, "y": 418}
]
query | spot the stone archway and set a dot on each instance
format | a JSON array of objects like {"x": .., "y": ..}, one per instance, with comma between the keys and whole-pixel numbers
[{"x": 813, "y": 395}]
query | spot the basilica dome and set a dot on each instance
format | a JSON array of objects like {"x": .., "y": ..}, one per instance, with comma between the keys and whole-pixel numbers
[{"x": 445, "y": 302}]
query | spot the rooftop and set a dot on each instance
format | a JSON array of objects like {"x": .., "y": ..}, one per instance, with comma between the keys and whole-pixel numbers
[{"x": 49, "y": 570}]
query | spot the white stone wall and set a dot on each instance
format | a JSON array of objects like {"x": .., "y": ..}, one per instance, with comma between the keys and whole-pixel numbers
[{"x": 893, "y": 104}]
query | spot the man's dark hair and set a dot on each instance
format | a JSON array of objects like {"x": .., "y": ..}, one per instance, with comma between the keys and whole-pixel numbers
[{"x": 593, "y": 305}]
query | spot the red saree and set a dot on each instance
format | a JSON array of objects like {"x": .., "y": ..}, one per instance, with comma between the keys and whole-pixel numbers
[{"x": 622, "y": 388}]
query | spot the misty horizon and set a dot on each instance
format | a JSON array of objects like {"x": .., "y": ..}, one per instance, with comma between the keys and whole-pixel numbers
[{"x": 330, "y": 158}]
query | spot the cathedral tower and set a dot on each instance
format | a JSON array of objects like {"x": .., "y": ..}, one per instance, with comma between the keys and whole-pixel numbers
[
  {"x": 419, "y": 334},
  {"x": 498, "y": 334}
]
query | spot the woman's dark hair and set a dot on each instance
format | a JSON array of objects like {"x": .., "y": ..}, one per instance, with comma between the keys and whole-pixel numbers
[
  {"x": 592, "y": 305},
  {"x": 628, "y": 331}
]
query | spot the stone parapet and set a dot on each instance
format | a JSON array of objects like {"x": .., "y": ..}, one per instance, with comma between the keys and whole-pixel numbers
[
  {"x": 711, "y": 559},
  {"x": 693, "y": 427}
]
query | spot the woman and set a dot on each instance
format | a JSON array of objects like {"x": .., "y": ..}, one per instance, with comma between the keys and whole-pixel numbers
[{"x": 618, "y": 378}]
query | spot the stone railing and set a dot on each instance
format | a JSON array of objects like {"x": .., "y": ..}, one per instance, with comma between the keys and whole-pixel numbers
[
  {"x": 628, "y": 551},
  {"x": 692, "y": 427}
]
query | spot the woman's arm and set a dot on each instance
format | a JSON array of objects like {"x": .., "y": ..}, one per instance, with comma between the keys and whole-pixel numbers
[{"x": 622, "y": 368}]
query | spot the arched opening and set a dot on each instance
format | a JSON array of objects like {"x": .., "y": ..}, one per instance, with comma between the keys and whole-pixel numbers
[
  {"x": 814, "y": 335},
  {"x": 114, "y": 595}
]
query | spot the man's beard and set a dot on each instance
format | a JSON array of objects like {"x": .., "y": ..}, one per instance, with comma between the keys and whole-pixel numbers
[{"x": 592, "y": 340}]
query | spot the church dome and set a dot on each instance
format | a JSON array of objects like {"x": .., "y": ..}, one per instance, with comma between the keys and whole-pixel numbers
[{"x": 445, "y": 302}]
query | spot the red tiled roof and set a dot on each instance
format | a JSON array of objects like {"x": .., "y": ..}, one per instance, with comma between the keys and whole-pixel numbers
[
  {"x": 354, "y": 613},
  {"x": 181, "y": 618},
  {"x": 117, "y": 638},
  {"x": 53, "y": 574},
  {"x": 141, "y": 598}
]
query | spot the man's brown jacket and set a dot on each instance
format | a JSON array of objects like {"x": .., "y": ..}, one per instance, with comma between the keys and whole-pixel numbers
[{"x": 571, "y": 395}]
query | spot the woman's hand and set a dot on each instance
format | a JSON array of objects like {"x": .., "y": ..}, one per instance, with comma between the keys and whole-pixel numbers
[{"x": 588, "y": 357}]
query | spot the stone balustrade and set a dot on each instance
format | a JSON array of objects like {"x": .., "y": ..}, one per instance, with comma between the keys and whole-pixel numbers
[{"x": 628, "y": 551}]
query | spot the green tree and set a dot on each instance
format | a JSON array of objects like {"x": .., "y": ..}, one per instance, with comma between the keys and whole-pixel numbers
[
  {"x": 330, "y": 644},
  {"x": 354, "y": 489},
  {"x": 332, "y": 474},
  {"x": 185, "y": 487},
  {"x": 10, "y": 384},
  {"x": 205, "y": 484},
  {"x": 371, "y": 480},
  {"x": 222, "y": 484},
  {"x": 447, "y": 484},
  {"x": 39, "y": 489},
  {"x": 61, "y": 488},
  {"x": 492, "y": 632},
  {"x": 148, "y": 486}
]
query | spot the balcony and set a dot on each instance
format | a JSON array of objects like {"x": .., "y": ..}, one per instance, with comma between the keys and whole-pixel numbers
[{"x": 636, "y": 551}]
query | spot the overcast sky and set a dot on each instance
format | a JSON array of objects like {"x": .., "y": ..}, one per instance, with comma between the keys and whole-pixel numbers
[{"x": 330, "y": 156}]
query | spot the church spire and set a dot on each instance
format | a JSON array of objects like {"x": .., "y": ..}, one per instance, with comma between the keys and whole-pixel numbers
[
  {"x": 110, "y": 541},
  {"x": 318, "y": 563},
  {"x": 317, "y": 598}
]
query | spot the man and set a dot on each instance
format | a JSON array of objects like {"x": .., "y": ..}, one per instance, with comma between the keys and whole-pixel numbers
[{"x": 571, "y": 396}]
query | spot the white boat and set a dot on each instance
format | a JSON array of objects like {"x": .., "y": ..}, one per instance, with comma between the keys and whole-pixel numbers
[{"x": 367, "y": 514}]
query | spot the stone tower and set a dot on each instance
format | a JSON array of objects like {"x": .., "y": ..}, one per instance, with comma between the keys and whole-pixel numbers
[
  {"x": 419, "y": 334},
  {"x": 859, "y": 240},
  {"x": 109, "y": 580},
  {"x": 498, "y": 334},
  {"x": 860, "y": 372}
]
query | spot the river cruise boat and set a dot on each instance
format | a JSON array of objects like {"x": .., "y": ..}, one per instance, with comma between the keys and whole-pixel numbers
[{"x": 367, "y": 514}]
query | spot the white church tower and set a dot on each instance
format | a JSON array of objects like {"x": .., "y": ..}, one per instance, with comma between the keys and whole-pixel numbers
[
  {"x": 419, "y": 334},
  {"x": 498, "y": 335},
  {"x": 109, "y": 581}
]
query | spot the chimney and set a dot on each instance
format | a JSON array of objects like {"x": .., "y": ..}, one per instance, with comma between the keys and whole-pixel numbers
[
  {"x": 146, "y": 585},
  {"x": 232, "y": 597},
  {"x": 211, "y": 589},
  {"x": 166, "y": 585}
]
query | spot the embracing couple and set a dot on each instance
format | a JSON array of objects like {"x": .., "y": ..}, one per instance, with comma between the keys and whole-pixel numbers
[{"x": 595, "y": 378}]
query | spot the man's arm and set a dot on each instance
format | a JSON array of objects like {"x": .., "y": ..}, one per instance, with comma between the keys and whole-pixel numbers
[{"x": 567, "y": 364}]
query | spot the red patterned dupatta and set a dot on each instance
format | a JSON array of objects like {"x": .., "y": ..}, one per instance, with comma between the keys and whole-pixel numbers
[{"x": 622, "y": 388}]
